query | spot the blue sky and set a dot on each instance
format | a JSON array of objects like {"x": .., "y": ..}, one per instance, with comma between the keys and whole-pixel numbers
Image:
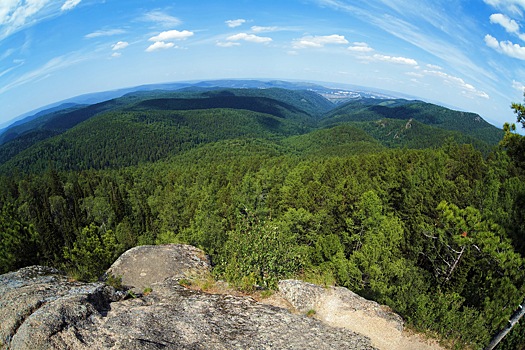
[{"x": 468, "y": 54}]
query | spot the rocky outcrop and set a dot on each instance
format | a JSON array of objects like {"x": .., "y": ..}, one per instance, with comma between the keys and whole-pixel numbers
[
  {"x": 142, "y": 266},
  {"x": 41, "y": 309},
  {"x": 307, "y": 296},
  {"x": 38, "y": 303},
  {"x": 340, "y": 307}
]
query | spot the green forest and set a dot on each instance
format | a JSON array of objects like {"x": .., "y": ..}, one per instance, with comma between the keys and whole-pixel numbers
[{"x": 423, "y": 213}]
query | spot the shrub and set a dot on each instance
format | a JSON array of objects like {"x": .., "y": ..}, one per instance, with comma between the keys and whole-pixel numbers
[
  {"x": 92, "y": 252},
  {"x": 257, "y": 253}
]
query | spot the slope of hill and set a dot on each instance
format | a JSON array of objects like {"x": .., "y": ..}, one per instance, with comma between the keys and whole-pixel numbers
[
  {"x": 34, "y": 122},
  {"x": 308, "y": 102},
  {"x": 305, "y": 102},
  {"x": 254, "y": 104},
  {"x": 394, "y": 133},
  {"x": 337, "y": 141},
  {"x": 120, "y": 139},
  {"x": 372, "y": 109}
]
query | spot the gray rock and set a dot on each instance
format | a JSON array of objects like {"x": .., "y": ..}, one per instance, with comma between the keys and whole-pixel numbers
[
  {"x": 37, "y": 301},
  {"x": 41, "y": 309},
  {"x": 142, "y": 266},
  {"x": 306, "y": 296}
]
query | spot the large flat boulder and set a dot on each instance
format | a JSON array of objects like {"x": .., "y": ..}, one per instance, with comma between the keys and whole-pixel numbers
[{"x": 142, "y": 266}]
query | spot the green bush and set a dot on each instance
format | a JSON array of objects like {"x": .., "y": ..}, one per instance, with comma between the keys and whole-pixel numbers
[
  {"x": 92, "y": 252},
  {"x": 257, "y": 253},
  {"x": 448, "y": 317}
]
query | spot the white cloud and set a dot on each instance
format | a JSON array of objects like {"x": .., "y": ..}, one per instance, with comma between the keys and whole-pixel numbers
[
  {"x": 511, "y": 5},
  {"x": 104, "y": 33},
  {"x": 9, "y": 69},
  {"x": 69, "y": 4},
  {"x": 249, "y": 37},
  {"x": 510, "y": 25},
  {"x": 51, "y": 66},
  {"x": 228, "y": 44},
  {"x": 235, "y": 23},
  {"x": 360, "y": 47},
  {"x": 292, "y": 53},
  {"x": 491, "y": 42},
  {"x": 116, "y": 54},
  {"x": 506, "y": 47},
  {"x": 159, "y": 45},
  {"x": 120, "y": 45},
  {"x": 434, "y": 67},
  {"x": 7, "y": 53},
  {"x": 467, "y": 88},
  {"x": 318, "y": 41},
  {"x": 518, "y": 86},
  {"x": 413, "y": 74},
  {"x": 6, "y": 6},
  {"x": 172, "y": 35},
  {"x": 15, "y": 16},
  {"x": 416, "y": 14},
  {"x": 399, "y": 60},
  {"x": 258, "y": 29},
  {"x": 161, "y": 18}
]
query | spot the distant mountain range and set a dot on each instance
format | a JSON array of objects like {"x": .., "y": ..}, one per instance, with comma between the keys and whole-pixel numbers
[
  {"x": 152, "y": 124},
  {"x": 97, "y": 97}
]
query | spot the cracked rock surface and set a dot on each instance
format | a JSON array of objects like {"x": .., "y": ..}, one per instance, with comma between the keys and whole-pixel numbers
[{"x": 41, "y": 309}]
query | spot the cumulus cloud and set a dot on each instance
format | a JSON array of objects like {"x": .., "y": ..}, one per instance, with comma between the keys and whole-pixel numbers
[
  {"x": 258, "y": 29},
  {"x": 235, "y": 23},
  {"x": 228, "y": 44},
  {"x": 413, "y": 74},
  {"x": 116, "y": 54},
  {"x": 510, "y": 25},
  {"x": 104, "y": 33},
  {"x": 360, "y": 47},
  {"x": 249, "y": 37},
  {"x": 467, "y": 88},
  {"x": 399, "y": 60},
  {"x": 434, "y": 66},
  {"x": 318, "y": 41},
  {"x": 69, "y": 4},
  {"x": 518, "y": 86},
  {"x": 292, "y": 53},
  {"x": 172, "y": 35},
  {"x": 161, "y": 18},
  {"x": 159, "y": 45},
  {"x": 120, "y": 45},
  {"x": 505, "y": 47}
]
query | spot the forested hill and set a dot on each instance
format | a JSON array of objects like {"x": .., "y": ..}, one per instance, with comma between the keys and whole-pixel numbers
[
  {"x": 254, "y": 104},
  {"x": 466, "y": 123},
  {"x": 301, "y": 101},
  {"x": 36, "y": 121}
]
